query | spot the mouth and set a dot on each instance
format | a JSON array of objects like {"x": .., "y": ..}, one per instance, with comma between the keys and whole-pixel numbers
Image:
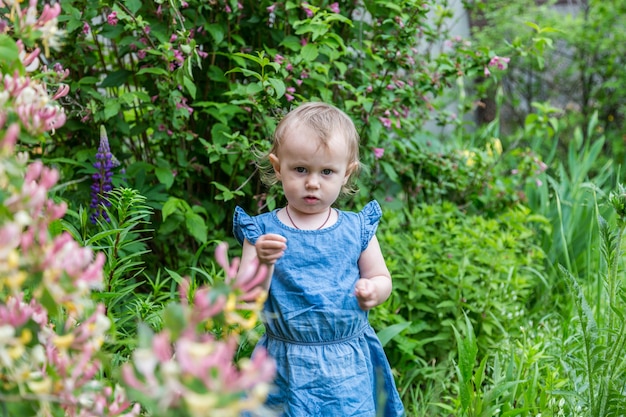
[{"x": 311, "y": 200}]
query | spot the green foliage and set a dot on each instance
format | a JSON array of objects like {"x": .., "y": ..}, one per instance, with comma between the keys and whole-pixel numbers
[
  {"x": 520, "y": 378},
  {"x": 569, "y": 196},
  {"x": 129, "y": 295},
  {"x": 443, "y": 263},
  {"x": 595, "y": 346},
  {"x": 569, "y": 56},
  {"x": 186, "y": 92}
]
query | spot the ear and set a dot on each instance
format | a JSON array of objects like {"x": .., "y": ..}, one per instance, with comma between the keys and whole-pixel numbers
[
  {"x": 275, "y": 164},
  {"x": 351, "y": 169}
]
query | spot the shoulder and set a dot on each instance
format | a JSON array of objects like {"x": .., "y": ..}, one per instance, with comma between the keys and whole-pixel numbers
[
  {"x": 249, "y": 227},
  {"x": 370, "y": 213}
]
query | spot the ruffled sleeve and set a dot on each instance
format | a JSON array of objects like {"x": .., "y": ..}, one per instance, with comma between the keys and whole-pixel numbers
[
  {"x": 244, "y": 227},
  {"x": 370, "y": 216}
]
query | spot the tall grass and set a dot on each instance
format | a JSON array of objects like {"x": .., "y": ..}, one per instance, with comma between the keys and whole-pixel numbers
[{"x": 595, "y": 350}]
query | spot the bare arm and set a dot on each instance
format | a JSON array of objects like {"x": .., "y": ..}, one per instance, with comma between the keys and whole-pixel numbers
[
  {"x": 268, "y": 249},
  {"x": 374, "y": 287}
]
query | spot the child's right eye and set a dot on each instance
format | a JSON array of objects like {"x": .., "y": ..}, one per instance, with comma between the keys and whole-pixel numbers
[{"x": 301, "y": 170}]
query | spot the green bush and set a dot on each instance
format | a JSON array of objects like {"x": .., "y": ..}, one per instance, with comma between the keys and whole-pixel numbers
[
  {"x": 444, "y": 263},
  {"x": 187, "y": 90}
]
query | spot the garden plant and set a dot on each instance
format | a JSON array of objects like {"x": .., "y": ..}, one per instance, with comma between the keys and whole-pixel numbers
[{"x": 129, "y": 131}]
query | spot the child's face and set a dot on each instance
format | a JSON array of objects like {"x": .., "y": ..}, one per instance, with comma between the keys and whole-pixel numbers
[{"x": 312, "y": 174}]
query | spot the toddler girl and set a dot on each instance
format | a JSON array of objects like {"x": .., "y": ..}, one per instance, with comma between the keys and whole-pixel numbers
[{"x": 325, "y": 271}]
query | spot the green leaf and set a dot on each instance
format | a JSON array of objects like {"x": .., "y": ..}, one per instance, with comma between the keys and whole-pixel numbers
[
  {"x": 111, "y": 109},
  {"x": 246, "y": 72},
  {"x": 115, "y": 78},
  {"x": 309, "y": 52},
  {"x": 170, "y": 207},
  {"x": 388, "y": 333},
  {"x": 278, "y": 85},
  {"x": 216, "y": 31},
  {"x": 133, "y": 5},
  {"x": 165, "y": 176},
  {"x": 190, "y": 86},
  {"x": 196, "y": 226},
  {"x": 389, "y": 170},
  {"x": 153, "y": 70},
  {"x": 8, "y": 53},
  {"x": 174, "y": 319}
]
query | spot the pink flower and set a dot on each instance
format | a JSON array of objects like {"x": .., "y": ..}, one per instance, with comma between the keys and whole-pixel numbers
[
  {"x": 221, "y": 256},
  {"x": 499, "y": 62},
  {"x": 487, "y": 72},
  {"x": 289, "y": 95},
  {"x": 307, "y": 10},
  {"x": 385, "y": 121},
  {"x": 379, "y": 152},
  {"x": 334, "y": 7},
  {"x": 279, "y": 59},
  {"x": 270, "y": 9},
  {"x": 86, "y": 28},
  {"x": 112, "y": 18}
]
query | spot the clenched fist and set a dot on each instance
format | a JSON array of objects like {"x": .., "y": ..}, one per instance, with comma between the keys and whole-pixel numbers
[{"x": 270, "y": 247}]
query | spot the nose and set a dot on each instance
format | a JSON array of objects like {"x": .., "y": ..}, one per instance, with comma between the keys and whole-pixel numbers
[{"x": 312, "y": 182}]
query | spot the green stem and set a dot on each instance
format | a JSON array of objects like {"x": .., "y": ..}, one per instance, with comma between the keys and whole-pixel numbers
[{"x": 612, "y": 284}]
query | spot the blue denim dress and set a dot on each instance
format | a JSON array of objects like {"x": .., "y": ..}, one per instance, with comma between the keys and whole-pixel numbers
[{"x": 329, "y": 361}]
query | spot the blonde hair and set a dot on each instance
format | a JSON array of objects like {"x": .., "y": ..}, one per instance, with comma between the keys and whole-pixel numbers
[{"x": 326, "y": 121}]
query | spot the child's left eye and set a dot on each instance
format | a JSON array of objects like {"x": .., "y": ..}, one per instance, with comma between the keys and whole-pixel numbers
[{"x": 327, "y": 171}]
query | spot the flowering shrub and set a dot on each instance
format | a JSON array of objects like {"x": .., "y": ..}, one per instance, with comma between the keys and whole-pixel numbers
[
  {"x": 53, "y": 335},
  {"x": 183, "y": 370},
  {"x": 185, "y": 91}
]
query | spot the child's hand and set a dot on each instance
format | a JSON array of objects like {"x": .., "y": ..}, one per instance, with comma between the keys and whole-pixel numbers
[
  {"x": 366, "y": 294},
  {"x": 270, "y": 247}
]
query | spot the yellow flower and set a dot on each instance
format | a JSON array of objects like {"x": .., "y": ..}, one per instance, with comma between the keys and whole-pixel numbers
[
  {"x": 16, "y": 279},
  {"x": 469, "y": 157},
  {"x": 26, "y": 336},
  {"x": 497, "y": 146},
  {"x": 16, "y": 351},
  {"x": 63, "y": 342},
  {"x": 200, "y": 405},
  {"x": 13, "y": 260},
  {"x": 231, "y": 304},
  {"x": 43, "y": 386}
]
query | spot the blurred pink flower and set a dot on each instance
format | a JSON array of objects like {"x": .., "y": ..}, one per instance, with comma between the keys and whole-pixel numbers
[
  {"x": 307, "y": 9},
  {"x": 112, "y": 18},
  {"x": 334, "y": 7},
  {"x": 379, "y": 152},
  {"x": 385, "y": 121},
  {"x": 499, "y": 62}
]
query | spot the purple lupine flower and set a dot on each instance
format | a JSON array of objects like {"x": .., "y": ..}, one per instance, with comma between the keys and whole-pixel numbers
[{"x": 105, "y": 162}]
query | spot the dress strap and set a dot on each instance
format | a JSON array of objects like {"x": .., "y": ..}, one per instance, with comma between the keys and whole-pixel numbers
[{"x": 355, "y": 335}]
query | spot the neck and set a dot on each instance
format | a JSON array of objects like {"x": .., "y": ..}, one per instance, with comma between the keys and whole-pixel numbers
[{"x": 306, "y": 228}]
